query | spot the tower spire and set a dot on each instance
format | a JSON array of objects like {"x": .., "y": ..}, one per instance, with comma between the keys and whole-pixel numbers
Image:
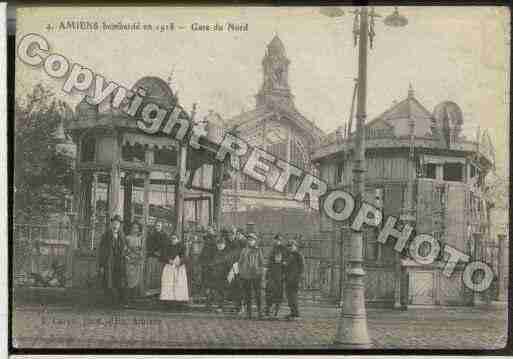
[
  {"x": 411, "y": 93},
  {"x": 275, "y": 65}
]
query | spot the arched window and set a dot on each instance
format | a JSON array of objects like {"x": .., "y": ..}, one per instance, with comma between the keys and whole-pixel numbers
[
  {"x": 298, "y": 158},
  {"x": 298, "y": 155}
]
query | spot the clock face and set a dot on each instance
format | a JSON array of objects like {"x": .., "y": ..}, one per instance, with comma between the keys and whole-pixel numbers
[{"x": 276, "y": 135}]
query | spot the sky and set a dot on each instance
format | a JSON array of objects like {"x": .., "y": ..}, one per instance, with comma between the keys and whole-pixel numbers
[{"x": 446, "y": 53}]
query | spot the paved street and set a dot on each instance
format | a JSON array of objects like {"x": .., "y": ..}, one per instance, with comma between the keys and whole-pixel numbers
[{"x": 436, "y": 328}]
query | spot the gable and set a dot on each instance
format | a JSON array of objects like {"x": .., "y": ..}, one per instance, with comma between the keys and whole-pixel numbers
[
  {"x": 398, "y": 117},
  {"x": 380, "y": 124}
]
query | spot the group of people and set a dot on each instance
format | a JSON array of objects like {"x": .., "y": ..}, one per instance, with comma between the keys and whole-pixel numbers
[
  {"x": 233, "y": 263},
  {"x": 232, "y": 266}
]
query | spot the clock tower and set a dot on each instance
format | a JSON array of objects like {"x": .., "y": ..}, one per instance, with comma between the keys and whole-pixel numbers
[{"x": 275, "y": 87}]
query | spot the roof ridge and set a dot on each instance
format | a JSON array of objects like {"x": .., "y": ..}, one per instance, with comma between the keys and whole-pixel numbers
[{"x": 422, "y": 107}]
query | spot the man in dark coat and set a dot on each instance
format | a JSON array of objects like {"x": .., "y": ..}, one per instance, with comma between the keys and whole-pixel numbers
[
  {"x": 112, "y": 262},
  {"x": 274, "y": 277},
  {"x": 251, "y": 266},
  {"x": 220, "y": 268},
  {"x": 156, "y": 240},
  {"x": 231, "y": 237},
  {"x": 294, "y": 266},
  {"x": 205, "y": 259}
]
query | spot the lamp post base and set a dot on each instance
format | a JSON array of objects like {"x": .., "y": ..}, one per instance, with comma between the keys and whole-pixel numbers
[
  {"x": 352, "y": 334},
  {"x": 352, "y": 326}
]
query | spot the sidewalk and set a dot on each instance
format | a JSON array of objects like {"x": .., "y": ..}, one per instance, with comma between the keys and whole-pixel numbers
[{"x": 64, "y": 326}]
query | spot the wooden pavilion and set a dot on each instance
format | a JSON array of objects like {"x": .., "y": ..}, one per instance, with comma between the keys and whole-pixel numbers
[
  {"x": 116, "y": 162},
  {"x": 423, "y": 170}
]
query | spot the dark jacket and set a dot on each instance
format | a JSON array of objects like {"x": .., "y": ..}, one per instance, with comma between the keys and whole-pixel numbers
[
  {"x": 208, "y": 250},
  {"x": 112, "y": 260},
  {"x": 294, "y": 266},
  {"x": 275, "y": 274},
  {"x": 237, "y": 245},
  {"x": 155, "y": 242},
  {"x": 221, "y": 264},
  {"x": 251, "y": 263}
]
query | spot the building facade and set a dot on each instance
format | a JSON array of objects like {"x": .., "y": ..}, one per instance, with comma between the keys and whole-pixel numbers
[
  {"x": 419, "y": 168},
  {"x": 277, "y": 126}
]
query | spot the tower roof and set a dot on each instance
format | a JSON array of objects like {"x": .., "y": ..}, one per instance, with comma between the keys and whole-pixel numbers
[{"x": 276, "y": 46}]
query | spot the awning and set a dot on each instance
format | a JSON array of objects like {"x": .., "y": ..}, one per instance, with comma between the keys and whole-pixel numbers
[
  {"x": 146, "y": 140},
  {"x": 442, "y": 159}
]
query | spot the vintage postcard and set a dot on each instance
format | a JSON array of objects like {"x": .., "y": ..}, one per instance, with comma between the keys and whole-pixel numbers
[{"x": 261, "y": 178}]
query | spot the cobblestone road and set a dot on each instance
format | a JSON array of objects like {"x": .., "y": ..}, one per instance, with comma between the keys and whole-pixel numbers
[{"x": 437, "y": 328}]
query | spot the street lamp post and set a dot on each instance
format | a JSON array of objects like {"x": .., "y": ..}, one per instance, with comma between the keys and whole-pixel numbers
[{"x": 352, "y": 329}]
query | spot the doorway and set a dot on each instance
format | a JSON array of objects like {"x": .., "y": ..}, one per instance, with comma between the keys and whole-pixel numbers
[{"x": 422, "y": 288}]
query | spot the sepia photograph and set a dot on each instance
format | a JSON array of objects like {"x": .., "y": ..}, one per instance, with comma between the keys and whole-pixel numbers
[{"x": 260, "y": 178}]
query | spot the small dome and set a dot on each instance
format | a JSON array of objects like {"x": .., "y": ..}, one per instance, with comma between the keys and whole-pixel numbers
[
  {"x": 276, "y": 46},
  {"x": 450, "y": 111},
  {"x": 157, "y": 91}
]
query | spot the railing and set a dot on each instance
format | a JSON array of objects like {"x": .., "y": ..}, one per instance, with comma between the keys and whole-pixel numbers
[
  {"x": 39, "y": 247},
  {"x": 40, "y": 254},
  {"x": 33, "y": 232}
]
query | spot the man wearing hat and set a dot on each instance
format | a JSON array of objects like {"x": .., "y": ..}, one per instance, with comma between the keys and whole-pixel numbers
[
  {"x": 112, "y": 262},
  {"x": 251, "y": 267},
  {"x": 294, "y": 266},
  {"x": 220, "y": 268},
  {"x": 205, "y": 259}
]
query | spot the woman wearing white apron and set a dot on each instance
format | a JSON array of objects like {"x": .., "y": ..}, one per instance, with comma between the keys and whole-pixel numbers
[{"x": 174, "y": 286}]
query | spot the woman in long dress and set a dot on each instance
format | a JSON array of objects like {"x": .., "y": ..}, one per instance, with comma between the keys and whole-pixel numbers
[
  {"x": 134, "y": 260},
  {"x": 174, "y": 284},
  {"x": 155, "y": 240}
]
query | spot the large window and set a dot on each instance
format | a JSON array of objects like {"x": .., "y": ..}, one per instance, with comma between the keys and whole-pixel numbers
[
  {"x": 279, "y": 150},
  {"x": 298, "y": 155},
  {"x": 453, "y": 172},
  {"x": 88, "y": 150},
  {"x": 429, "y": 170},
  {"x": 133, "y": 153},
  {"x": 297, "y": 158},
  {"x": 165, "y": 156}
]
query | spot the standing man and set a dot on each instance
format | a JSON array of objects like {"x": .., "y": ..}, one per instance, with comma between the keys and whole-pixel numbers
[
  {"x": 237, "y": 290},
  {"x": 112, "y": 262},
  {"x": 274, "y": 277},
  {"x": 294, "y": 266},
  {"x": 156, "y": 239},
  {"x": 251, "y": 266},
  {"x": 232, "y": 237},
  {"x": 207, "y": 254},
  {"x": 221, "y": 265}
]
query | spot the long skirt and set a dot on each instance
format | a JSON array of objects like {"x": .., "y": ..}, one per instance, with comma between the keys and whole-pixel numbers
[{"x": 174, "y": 285}]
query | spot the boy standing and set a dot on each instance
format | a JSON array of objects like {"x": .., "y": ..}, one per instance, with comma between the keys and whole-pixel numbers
[
  {"x": 294, "y": 266},
  {"x": 251, "y": 264}
]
